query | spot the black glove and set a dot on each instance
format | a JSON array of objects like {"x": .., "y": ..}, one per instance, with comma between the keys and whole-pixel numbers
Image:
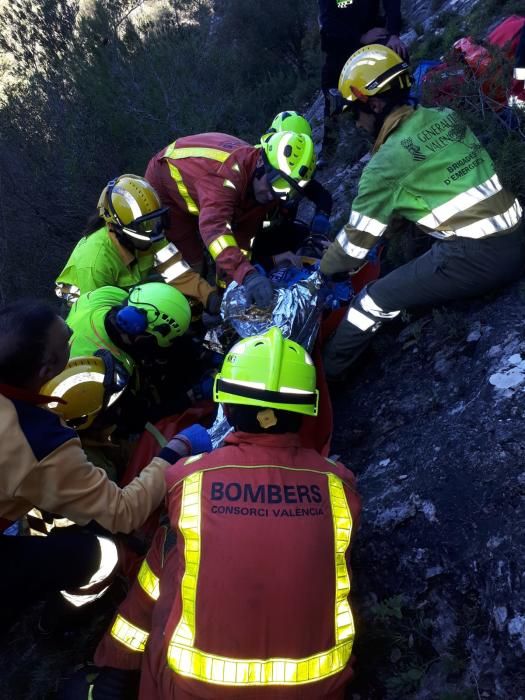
[
  {"x": 116, "y": 684},
  {"x": 211, "y": 320},
  {"x": 213, "y": 304},
  {"x": 258, "y": 289}
]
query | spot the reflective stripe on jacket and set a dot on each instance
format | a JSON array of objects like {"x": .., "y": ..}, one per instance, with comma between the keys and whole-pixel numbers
[
  {"x": 254, "y": 598},
  {"x": 206, "y": 180},
  {"x": 432, "y": 171},
  {"x": 125, "y": 642},
  {"x": 99, "y": 260}
]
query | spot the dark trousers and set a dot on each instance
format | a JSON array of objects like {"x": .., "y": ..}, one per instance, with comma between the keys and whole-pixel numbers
[
  {"x": 34, "y": 568},
  {"x": 336, "y": 53},
  {"x": 454, "y": 269}
]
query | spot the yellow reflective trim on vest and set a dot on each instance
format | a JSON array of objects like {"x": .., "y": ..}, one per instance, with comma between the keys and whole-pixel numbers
[
  {"x": 221, "y": 243},
  {"x": 342, "y": 519},
  {"x": 148, "y": 581},
  {"x": 128, "y": 634},
  {"x": 187, "y": 661},
  {"x": 190, "y": 526},
  {"x": 195, "y": 152},
  {"x": 220, "y": 670},
  {"x": 183, "y": 190}
]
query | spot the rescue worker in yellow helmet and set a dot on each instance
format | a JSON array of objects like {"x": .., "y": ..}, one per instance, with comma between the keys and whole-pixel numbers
[
  {"x": 219, "y": 191},
  {"x": 43, "y": 465},
  {"x": 86, "y": 386},
  {"x": 124, "y": 245},
  {"x": 315, "y": 235},
  {"x": 429, "y": 168},
  {"x": 236, "y": 609}
]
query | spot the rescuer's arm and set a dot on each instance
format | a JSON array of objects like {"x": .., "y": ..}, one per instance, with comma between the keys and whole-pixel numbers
[
  {"x": 219, "y": 197},
  {"x": 66, "y": 482},
  {"x": 371, "y": 211},
  {"x": 170, "y": 264}
]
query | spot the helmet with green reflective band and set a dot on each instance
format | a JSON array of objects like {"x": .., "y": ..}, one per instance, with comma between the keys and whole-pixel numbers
[
  {"x": 270, "y": 371},
  {"x": 289, "y": 160},
  {"x": 373, "y": 70},
  {"x": 291, "y": 121},
  {"x": 166, "y": 310},
  {"x": 131, "y": 205}
]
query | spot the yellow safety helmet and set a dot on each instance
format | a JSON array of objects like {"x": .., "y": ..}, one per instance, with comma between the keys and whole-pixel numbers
[
  {"x": 84, "y": 389},
  {"x": 132, "y": 206},
  {"x": 270, "y": 371},
  {"x": 372, "y": 70},
  {"x": 289, "y": 161}
]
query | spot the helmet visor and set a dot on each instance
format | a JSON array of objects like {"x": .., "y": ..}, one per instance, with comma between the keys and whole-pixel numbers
[
  {"x": 150, "y": 227},
  {"x": 283, "y": 186}
]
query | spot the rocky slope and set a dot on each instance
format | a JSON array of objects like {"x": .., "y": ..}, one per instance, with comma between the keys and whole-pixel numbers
[{"x": 432, "y": 424}]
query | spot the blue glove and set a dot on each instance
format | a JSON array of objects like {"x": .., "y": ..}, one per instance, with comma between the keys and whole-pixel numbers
[
  {"x": 258, "y": 290},
  {"x": 196, "y": 437},
  {"x": 372, "y": 254},
  {"x": 320, "y": 224}
]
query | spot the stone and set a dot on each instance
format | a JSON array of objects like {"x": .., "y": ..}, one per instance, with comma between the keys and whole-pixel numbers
[{"x": 507, "y": 380}]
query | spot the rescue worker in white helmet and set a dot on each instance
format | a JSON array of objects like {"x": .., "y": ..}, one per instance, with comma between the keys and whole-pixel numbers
[
  {"x": 428, "y": 167},
  {"x": 124, "y": 245},
  {"x": 220, "y": 190}
]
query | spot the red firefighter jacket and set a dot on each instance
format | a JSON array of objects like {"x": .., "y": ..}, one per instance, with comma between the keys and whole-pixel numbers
[
  {"x": 253, "y": 599},
  {"x": 206, "y": 180}
]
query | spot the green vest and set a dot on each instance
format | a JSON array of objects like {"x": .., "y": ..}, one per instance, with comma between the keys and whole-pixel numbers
[
  {"x": 429, "y": 160},
  {"x": 96, "y": 262},
  {"x": 86, "y": 320}
]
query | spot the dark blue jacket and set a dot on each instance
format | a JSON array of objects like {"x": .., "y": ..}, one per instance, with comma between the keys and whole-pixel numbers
[{"x": 351, "y": 22}]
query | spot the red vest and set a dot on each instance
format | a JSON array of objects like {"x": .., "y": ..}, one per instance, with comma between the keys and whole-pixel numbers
[{"x": 259, "y": 581}]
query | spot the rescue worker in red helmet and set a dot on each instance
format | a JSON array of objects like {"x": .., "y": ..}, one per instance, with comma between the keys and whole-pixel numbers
[
  {"x": 253, "y": 600},
  {"x": 219, "y": 190}
]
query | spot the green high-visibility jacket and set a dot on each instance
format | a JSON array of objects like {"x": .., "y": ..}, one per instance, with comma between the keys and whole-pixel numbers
[
  {"x": 433, "y": 171},
  {"x": 99, "y": 260},
  {"x": 96, "y": 262},
  {"x": 86, "y": 320}
]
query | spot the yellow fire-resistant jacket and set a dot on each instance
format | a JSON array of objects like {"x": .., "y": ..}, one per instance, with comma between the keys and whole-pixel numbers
[{"x": 43, "y": 465}]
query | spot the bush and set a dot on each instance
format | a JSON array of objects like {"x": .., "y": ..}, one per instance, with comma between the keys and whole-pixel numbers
[{"x": 92, "y": 96}]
